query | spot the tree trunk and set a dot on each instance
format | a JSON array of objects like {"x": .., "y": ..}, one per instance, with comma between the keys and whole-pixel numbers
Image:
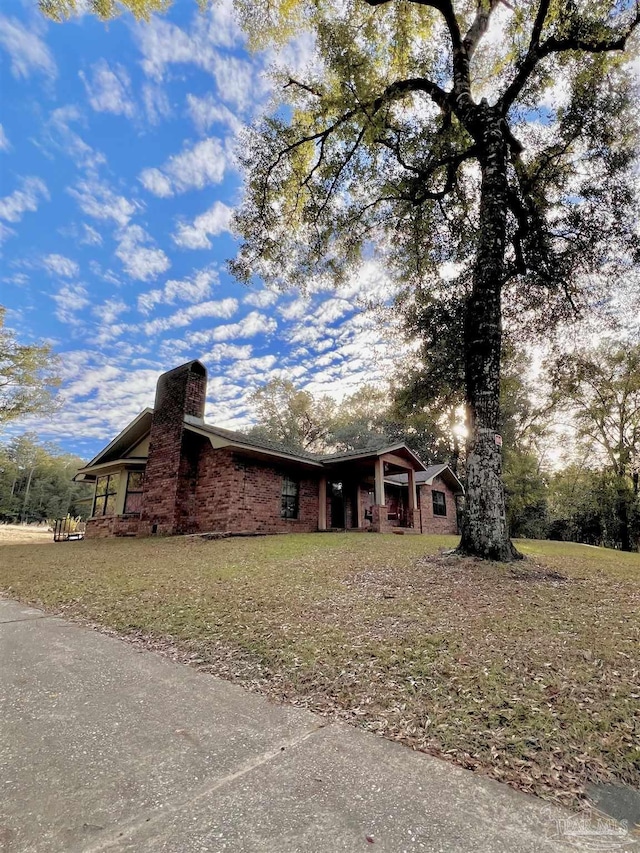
[
  {"x": 484, "y": 529},
  {"x": 622, "y": 511},
  {"x": 26, "y": 496}
]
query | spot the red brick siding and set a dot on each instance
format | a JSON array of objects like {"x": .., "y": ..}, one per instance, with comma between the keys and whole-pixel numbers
[
  {"x": 214, "y": 488},
  {"x": 257, "y": 498},
  {"x": 112, "y": 525},
  {"x": 437, "y": 523}
]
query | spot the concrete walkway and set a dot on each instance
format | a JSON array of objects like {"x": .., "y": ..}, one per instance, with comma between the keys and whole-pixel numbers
[{"x": 106, "y": 748}]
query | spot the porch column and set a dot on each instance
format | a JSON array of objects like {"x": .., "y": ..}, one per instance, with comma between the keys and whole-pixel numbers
[
  {"x": 359, "y": 517},
  {"x": 379, "y": 487},
  {"x": 322, "y": 504},
  {"x": 413, "y": 501},
  {"x": 414, "y": 521}
]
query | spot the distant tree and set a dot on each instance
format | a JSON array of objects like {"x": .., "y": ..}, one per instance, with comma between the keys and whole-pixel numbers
[
  {"x": 600, "y": 390},
  {"x": 582, "y": 506},
  {"x": 27, "y": 376},
  {"x": 292, "y": 417},
  {"x": 361, "y": 419},
  {"x": 36, "y": 482}
]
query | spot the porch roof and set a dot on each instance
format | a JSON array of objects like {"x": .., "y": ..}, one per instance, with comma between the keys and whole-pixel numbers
[
  {"x": 427, "y": 476},
  {"x": 400, "y": 451}
]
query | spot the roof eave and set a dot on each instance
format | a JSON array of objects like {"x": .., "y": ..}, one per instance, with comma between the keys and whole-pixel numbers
[
  {"x": 113, "y": 442},
  {"x": 251, "y": 449}
]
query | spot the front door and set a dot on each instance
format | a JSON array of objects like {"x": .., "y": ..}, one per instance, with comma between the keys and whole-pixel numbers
[{"x": 338, "y": 509}]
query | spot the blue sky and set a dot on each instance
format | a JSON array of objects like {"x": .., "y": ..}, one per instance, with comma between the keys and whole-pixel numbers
[{"x": 117, "y": 181}]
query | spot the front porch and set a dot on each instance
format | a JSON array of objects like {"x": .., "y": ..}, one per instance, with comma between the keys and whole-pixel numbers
[{"x": 354, "y": 495}]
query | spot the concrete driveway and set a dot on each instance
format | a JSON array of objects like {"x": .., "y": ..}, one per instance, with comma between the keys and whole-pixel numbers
[{"x": 106, "y": 748}]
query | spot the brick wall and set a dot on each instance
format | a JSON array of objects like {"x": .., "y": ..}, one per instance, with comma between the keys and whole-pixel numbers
[
  {"x": 258, "y": 498},
  {"x": 179, "y": 392},
  {"x": 437, "y": 523},
  {"x": 238, "y": 494},
  {"x": 112, "y": 525},
  {"x": 214, "y": 488}
]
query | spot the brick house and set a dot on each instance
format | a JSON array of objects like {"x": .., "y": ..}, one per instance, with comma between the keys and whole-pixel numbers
[{"x": 168, "y": 472}]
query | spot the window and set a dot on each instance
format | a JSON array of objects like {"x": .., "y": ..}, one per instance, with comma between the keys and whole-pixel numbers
[
  {"x": 290, "y": 491},
  {"x": 439, "y": 503},
  {"x": 106, "y": 491},
  {"x": 133, "y": 497}
]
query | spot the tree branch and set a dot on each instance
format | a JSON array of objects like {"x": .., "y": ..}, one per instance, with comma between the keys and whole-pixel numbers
[
  {"x": 479, "y": 26},
  {"x": 614, "y": 41}
]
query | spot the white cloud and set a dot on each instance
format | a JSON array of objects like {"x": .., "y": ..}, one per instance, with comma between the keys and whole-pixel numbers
[
  {"x": 60, "y": 135},
  {"x": 109, "y": 89},
  {"x": 223, "y": 308},
  {"x": 59, "y": 265},
  {"x": 194, "y": 168},
  {"x": 90, "y": 237},
  {"x": 261, "y": 298},
  {"x": 155, "y": 182},
  {"x": 332, "y": 310},
  {"x": 139, "y": 260},
  {"x": 163, "y": 44},
  {"x": 109, "y": 310},
  {"x": 194, "y": 288},
  {"x": 295, "y": 310},
  {"x": 27, "y": 50},
  {"x": 196, "y": 235},
  {"x": 5, "y": 232},
  {"x": 156, "y": 103},
  {"x": 227, "y": 352},
  {"x": 24, "y": 200},
  {"x": 5, "y": 145},
  {"x": 250, "y": 326},
  {"x": 208, "y": 110},
  {"x": 98, "y": 200},
  {"x": 71, "y": 300}
]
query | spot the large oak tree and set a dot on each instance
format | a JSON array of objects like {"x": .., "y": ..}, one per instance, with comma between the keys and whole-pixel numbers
[{"x": 498, "y": 139}]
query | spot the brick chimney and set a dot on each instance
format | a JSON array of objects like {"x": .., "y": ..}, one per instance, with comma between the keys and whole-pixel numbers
[{"x": 181, "y": 391}]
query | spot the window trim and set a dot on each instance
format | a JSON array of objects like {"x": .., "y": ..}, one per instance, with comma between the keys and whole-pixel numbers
[
  {"x": 287, "y": 495},
  {"x": 439, "y": 506},
  {"x": 109, "y": 492},
  {"x": 130, "y": 491}
]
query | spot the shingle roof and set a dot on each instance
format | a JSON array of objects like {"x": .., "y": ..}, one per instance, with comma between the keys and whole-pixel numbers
[
  {"x": 248, "y": 440},
  {"x": 427, "y": 476},
  {"x": 269, "y": 446}
]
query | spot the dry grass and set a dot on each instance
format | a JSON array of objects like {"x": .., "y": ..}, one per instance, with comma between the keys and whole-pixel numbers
[
  {"x": 14, "y": 534},
  {"x": 529, "y": 673}
]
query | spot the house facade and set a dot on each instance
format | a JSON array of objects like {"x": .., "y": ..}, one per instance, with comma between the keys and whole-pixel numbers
[{"x": 169, "y": 472}]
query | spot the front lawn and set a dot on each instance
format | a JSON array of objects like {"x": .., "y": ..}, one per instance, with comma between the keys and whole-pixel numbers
[{"x": 529, "y": 672}]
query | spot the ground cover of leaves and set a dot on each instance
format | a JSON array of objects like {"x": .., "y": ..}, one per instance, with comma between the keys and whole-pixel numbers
[{"x": 527, "y": 672}]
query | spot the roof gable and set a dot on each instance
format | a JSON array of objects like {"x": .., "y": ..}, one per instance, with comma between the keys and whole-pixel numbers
[{"x": 126, "y": 440}]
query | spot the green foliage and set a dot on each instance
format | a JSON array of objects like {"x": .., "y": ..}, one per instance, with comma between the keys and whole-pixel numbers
[
  {"x": 584, "y": 506},
  {"x": 36, "y": 482},
  {"x": 27, "y": 376},
  {"x": 600, "y": 390},
  {"x": 526, "y": 494},
  {"x": 61, "y": 10},
  {"x": 291, "y": 417}
]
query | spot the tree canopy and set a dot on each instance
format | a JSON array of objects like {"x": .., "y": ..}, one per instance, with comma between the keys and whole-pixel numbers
[{"x": 27, "y": 376}]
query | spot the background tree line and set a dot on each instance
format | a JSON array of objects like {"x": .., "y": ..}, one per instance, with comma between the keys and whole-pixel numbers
[
  {"x": 588, "y": 492},
  {"x": 36, "y": 482}
]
